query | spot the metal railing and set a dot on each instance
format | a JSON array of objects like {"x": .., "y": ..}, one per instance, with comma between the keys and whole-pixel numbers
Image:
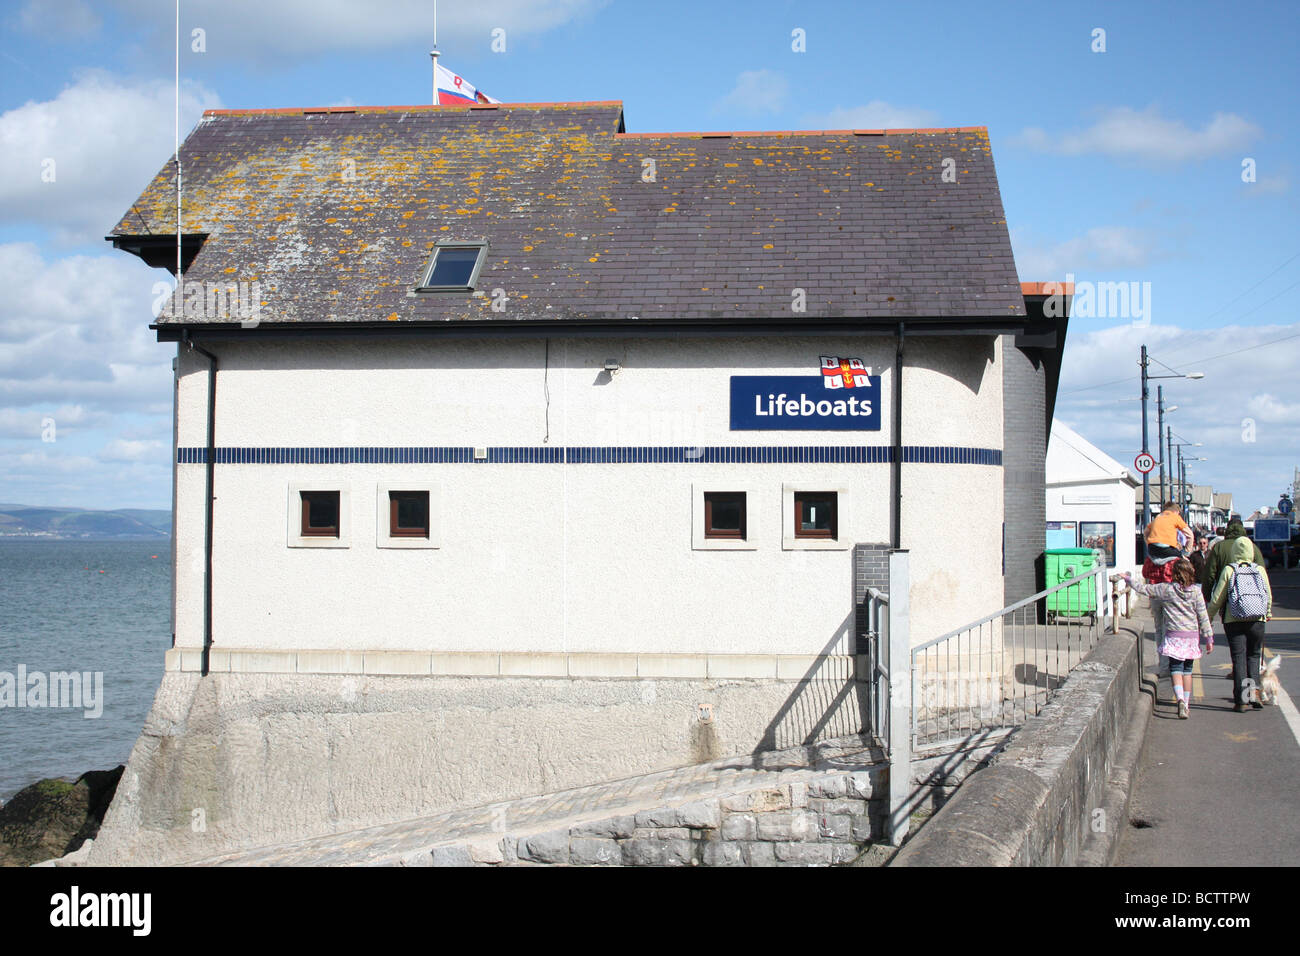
[{"x": 1002, "y": 669}]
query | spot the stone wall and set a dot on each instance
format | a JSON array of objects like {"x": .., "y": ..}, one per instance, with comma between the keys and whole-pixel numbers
[
  {"x": 1036, "y": 804},
  {"x": 823, "y": 821},
  {"x": 239, "y": 760}
]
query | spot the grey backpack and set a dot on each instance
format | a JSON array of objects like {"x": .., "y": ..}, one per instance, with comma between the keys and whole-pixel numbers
[{"x": 1246, "y": 596}]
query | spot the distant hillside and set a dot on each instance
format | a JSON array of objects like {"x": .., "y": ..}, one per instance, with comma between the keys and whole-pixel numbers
[{"x": 20, "y": 521}]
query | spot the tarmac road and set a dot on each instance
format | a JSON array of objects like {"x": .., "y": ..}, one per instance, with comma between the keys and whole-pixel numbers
[{"x": 1221, "y": 788}]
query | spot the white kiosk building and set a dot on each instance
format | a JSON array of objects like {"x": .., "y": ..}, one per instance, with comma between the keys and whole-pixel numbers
[{"x": 1088, "y": 498}]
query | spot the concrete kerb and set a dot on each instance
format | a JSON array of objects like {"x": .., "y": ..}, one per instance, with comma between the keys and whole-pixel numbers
[{"x": 1037, "y": 802}]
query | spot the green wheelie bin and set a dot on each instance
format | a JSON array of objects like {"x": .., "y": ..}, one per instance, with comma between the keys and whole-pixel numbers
[{"x": 1079, "y": 601}]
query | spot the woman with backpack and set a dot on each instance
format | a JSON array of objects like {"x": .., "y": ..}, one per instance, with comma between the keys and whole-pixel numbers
[{"x": 1243, "y": 596}]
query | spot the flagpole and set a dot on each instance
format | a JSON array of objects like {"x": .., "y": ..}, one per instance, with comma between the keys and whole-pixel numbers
[
  {"x": 177, "y": 154},
  {"x": 434, "y": 52}
]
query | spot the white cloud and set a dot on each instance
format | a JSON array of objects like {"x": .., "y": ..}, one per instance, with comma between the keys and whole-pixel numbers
[
  {"x": 75, "y": 332},
  {"x": 123, "y": 449},
  {"x": 1126, "y": 132},
  {"x": 1100, "y": 248},
  {"x": 75, "y": 347},
  {"x": 1268, "y": 408},
  {"x": 101, "y": 140},
  {"x": 299, "y": 29},
  {"x": 30, "y": 423},
  {"x": 756, "y": 91},
  {"x": 1249, "y": 375},
  {"x": 1276, "y": 184},
  {"x": 876, "y": 114},
  {"x": 69, "y": 19}
]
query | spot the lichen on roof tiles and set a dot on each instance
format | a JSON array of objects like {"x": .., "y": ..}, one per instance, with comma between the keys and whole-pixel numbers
[{"x": 337, "y": 212}]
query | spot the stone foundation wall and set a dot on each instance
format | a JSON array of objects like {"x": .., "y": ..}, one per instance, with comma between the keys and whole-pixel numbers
[
  {"x": 823, "y": 821},
  {"x": 238, "y": 760}
]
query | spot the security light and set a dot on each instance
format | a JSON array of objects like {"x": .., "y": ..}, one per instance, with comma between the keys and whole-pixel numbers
[{"x": 612, "y": 366}]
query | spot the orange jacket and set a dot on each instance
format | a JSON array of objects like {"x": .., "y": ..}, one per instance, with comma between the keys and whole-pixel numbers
[{"x": 1164, "y": 529}]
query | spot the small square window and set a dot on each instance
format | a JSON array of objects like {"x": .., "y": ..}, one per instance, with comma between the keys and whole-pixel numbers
[
  {"x": 816, "y": 514},
  {"x": 320, "y": 514},
  {"x": 408, "y": 514},
  {"x": 454, "y": 267},
  {"x": 318, "y": 518},
  {"x": 724, "y": 514}
]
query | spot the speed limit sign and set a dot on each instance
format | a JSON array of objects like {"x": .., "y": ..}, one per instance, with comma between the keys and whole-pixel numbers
[{"x": 1144, "y": 462}]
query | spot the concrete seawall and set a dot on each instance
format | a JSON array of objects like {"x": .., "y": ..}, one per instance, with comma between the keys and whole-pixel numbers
[
  {"x": 1057, "y": 794},
  {"x": 238, "y": 760}
]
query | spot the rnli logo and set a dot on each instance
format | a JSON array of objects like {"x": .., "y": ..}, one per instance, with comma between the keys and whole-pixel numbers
[{"x": 844, "y": 373}]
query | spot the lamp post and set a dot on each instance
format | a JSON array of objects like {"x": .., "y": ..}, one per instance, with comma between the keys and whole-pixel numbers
[
  {"x": 1144, "y": 363},
  {"x": 1181, "y": 494},
  {"x": 1161, "y": 430},
  {"x": 1160, "y": 427},
  {"x": 1186, "y": 484}
]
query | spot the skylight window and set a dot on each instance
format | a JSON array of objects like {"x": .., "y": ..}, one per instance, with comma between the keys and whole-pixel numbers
[{"x": 454, "y": 267}]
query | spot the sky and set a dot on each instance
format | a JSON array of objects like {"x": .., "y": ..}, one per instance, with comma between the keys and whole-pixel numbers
[{"x": 1153, "y": 145}]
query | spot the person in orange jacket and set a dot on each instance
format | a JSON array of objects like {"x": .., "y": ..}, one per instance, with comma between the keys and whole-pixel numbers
[{"x": 1162, "y": 533}]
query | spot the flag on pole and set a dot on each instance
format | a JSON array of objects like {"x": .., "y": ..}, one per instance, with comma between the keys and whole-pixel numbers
[{"x": 455, "y": 90}]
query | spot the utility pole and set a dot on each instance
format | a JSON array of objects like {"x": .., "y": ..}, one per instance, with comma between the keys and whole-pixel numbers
[
  {"x": 1146, "y": 480},
  {"x": 1169, "y": 443},
  {"x": 1144, "y": 362},
  {"x": 1182, "y": 484},
  {"x": 1160, "y": 427}
]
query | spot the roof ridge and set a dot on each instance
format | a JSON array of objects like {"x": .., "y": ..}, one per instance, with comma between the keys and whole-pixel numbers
[
  {"x": 815, "y": 132},
  {"x": 293, "y": 110}
]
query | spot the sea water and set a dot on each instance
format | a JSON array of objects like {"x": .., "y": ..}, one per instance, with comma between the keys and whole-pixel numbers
[{"x": 82, "y": 608}]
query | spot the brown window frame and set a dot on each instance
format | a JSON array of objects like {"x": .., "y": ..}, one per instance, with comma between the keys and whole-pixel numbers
[
  {"x": 829, "y": 534},
  {"x": 323, "y": 531},
  {"x": 394, "y": 531},
  {"x": 726, "y": 534}
]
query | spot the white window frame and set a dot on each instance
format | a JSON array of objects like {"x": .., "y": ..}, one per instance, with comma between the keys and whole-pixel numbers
[
  {"x": 296, "y": 539},
  {"x": 842, "y": 502},
  {"x": 383, "y": 515},
  {"x": 699, "y": 542}
]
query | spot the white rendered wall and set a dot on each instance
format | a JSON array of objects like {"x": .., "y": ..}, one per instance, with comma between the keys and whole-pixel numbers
[{"x": 580, "y": 557}]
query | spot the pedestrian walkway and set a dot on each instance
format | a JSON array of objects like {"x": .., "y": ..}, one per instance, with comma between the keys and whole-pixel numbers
[
  {"x": 410, "y": 841},
  {"x": 1219, "y": 789}
]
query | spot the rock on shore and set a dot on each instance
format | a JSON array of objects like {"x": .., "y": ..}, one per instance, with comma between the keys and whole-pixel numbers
[{"x": 54, "y": 817}]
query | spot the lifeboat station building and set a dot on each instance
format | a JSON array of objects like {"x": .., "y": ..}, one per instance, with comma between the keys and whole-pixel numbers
[{"x": 516, "y": 452}]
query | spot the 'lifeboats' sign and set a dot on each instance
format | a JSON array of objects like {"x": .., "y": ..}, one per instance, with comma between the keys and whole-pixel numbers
[{"x": 844, "y": 397}]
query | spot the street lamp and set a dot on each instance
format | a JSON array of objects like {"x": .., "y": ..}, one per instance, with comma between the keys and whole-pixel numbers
[
  {"x": 1161, "y": 429},
  {"x": 1146, "y": 450},
  {"x": 1182, "y": 493}
]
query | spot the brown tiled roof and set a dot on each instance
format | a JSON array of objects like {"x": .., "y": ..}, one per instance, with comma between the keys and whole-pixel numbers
[{"x": 334, "y": 212}]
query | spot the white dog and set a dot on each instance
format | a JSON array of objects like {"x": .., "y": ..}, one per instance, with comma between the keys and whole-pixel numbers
[{"x": 1268, "y": 682}]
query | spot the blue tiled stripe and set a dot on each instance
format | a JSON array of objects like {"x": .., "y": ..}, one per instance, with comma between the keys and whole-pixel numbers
[{"x": 604, "y": 454}]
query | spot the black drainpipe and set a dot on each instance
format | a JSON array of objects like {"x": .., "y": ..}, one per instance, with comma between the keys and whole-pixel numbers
[
  {"x": 898, "y": 442},
  {"x": 207, "y": 520}
]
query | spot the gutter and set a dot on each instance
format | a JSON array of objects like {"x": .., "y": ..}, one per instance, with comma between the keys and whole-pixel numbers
[
  {"x": 556, "y": 328},
  {"x": 207, "y": 518}
]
